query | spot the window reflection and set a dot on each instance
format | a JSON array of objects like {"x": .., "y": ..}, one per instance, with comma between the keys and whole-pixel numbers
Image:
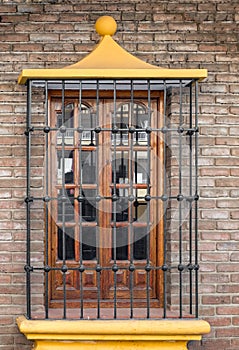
[
  {"x": 89, "y": 243},
  {"x": 86, "y": 122},
  {"x": 69, "y": 243},
  {"x": 66, "y": 120},
  {"x": 65, "y": 162},
  {"x": 88, "y": 205},
  {"x": 88, "y": 167},
  {"x": 130, "y": 115}
]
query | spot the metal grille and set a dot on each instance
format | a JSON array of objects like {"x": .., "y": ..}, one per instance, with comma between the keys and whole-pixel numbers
[{"x": 81, "y": 138}]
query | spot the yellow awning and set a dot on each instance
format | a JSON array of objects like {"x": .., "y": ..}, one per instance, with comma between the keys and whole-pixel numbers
[{"x": 110, "y": 60}]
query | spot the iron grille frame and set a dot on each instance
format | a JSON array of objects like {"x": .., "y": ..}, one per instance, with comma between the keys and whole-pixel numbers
[{"x": 190, "y": 132}]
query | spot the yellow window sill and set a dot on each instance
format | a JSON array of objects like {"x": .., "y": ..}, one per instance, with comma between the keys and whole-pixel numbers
[{"x": 115, "y": 334}]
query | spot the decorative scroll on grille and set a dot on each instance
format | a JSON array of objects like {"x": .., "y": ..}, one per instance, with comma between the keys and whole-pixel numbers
[{"x": 112, "y": 199}]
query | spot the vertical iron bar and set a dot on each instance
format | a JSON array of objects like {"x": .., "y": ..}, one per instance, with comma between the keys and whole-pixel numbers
[
  {"x": 190, "y": 202},
  {"x": 28, "y": 203},
  {"x": 164, "y": 206},
  {"x": 131, "y": 140},
  {"x": 46, "y": 205},
  {"x": 180, "y": 203},
  {"x": 114, "y": 207},
  {"x": 80, "y": 209},
  {"x": 63, "y": 201},
  {"x": 148, "y": 203},
  {"x": 97, "y": 204},
  {"x": 196, "y": 196}
]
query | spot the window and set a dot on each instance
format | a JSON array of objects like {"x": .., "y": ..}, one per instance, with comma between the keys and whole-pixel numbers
[
  {"x": 118, "y": 160},
  {"x": 102, "y": 214}
]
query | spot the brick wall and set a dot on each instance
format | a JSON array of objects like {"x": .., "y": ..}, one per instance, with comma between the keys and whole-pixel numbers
[{"x": 182, "y": 33}]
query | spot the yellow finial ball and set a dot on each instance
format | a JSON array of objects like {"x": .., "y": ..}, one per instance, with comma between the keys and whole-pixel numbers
[{"x": 105, "y": 25}]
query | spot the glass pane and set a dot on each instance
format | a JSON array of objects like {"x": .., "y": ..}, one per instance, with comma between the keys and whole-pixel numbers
[
  {"x": 121, "y": 121},
  {"x": 68, "y": 122},
  {"x": 120, "y": 167},
  {"x": 140, "y": 211},
  {"x": 67, "y": 202},
  {"x": 120, "y": 208},
  {"x": 140, "y": 121},
  {"x": 140, "y": 243},
  {"x": 121, "y": 243},
  {"x": 88, "y": 205},
  {"x": 140, "y": 167},
  {"x": 69, "y": 243},
  {"x": 87, "y": 122},
  {"x": 68, "y": 166},
  {"x": 140, "y": 194},
  {"x": 88, "y": 167},
  {"x": 121, "y": 177},
  {"x": 88, "y": 243}
]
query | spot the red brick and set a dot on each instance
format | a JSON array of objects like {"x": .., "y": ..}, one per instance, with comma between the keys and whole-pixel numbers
[
  {"x": 230, "y": 141},
  {"x": 227, "y": 225},
  {"x": 214, "y": 278},
  {"x": 215, "y": 193},
  {"x": 214, "y": 214},
  {"x": 228, "y": 182},
  {"x": 213, "y": 48},
  {"x": 228, "y": 289},
  {"x": 216, "y": 151},
  {"x": 214, "y": 171},
  {"x": 34, "y": 8},
  {"x": 235, "y": 322},
  {"x": 234, "y": 214},
  {"x": 215, "y": 257},
  {"x": 215, "y": 236},
  {"x": 215, "y": 300},
  {"x": 228, "y": 332}
]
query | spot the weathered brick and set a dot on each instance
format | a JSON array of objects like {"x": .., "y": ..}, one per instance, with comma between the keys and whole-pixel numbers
[
  {"x": 216, "y": 151},
  {"x": 215, "y": 300},
  {"x": 30, "y": 8},
  {"x": 214, "y": 256},
  {"x": 215, "y": 214}
]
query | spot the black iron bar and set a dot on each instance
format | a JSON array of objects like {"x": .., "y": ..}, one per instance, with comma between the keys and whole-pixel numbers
[
  {"x": 97, "y": 206},
  {"x": 104, "y": 268},
  {"x": 63, "y": 202},
  {"x": 196, "y": 203},
  {"x": 148, "y": 204},
  {"x": 164, "y": 205},
  {"x": 46, "y": 205},
  {"x": 163, "y": 198},
  {"x": 190, "y": 204},
  {"x": 115, "y": 267},
  {"x": 81, "y": 268},
  {"x": 164, "y": 130},
  {"x": 180, "y": 202},
  {"x": 28, "y": 202},
  {"x": 131, "y": 175}
]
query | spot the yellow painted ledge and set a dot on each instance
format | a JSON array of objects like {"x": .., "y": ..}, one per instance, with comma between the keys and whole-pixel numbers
[{"x": 112, "y": 335}]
